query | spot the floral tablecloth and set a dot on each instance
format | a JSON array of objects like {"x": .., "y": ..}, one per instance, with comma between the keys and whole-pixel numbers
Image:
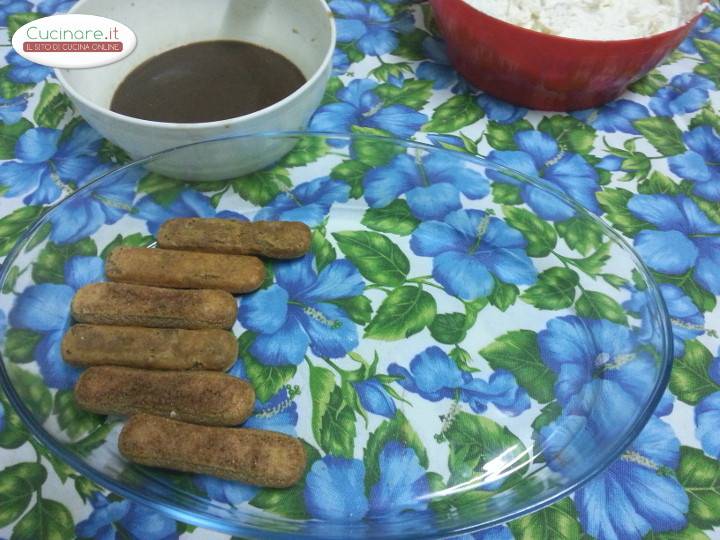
[{"x": 649, "y": 163}]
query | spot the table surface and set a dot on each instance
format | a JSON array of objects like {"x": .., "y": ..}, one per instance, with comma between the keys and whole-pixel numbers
[{"x": 661, "y": 139}]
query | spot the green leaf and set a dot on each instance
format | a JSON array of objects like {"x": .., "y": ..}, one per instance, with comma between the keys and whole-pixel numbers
[
  {"x": 405, "y": 311},
  {"x": 52, "y": 106},
  {"x": 16, "y": 20},
  {"x": 261, "y": 187},
  {"x": 708, "y": 71},
  {"x": 410, "y": 45},
  {"x": 457, "y": 112},
  {"x": 555, "y": 289},
  {"x": 580, "y": 233},
  {"x": 711, "y": 209},
  {"x": 448, "y": 328},
  {"x": 540, "y": 235},
  {"x": 518, "y": 352},
  {"x": 371, "y": 151},
  {"x": 85, "y": 488},
  {"x": 704, "y": 300},
  {"x": 50, "y": 264},
  {"x": 133, "y": 240},
  {"x": 506, "y": 194},
  {"x": 337, "y": 431},
  {"x": 662, "y": 133},
  {"x": 113, "y": 153},
  {"x": 322, "y": 382},
  {"x": 11, "y": 279},
  {"x": 358, "y": 308},
  {"x": 709, "y": 50},
  {"x": 32, "y": 390},
  {"x": 10, "y": 89},
  {"x": 396, "y": 218},
  {"x": 18, "y": 483},
  {"x": 333, "y": 86},
  {"x": 691, "y": 532},
  {"x": 13, "y": 224},
  {"x": 9, "y": 135},
  {"x": 649, "y": 84},
  {"x": 48, "y": 520},
  {"x": 92, "y": 440},
  {"x": 13, "y": 434},
  {"x": 413, "y": 93},
  {"x": 352, "y": 173},
  {"x": 614, "y": 280},
  {"x": 690, "y": 380},
  {"x": 20, "y": 344},
  {"x": 570, "y": 133},
  {"x": 376, "y": 257},
  {"x": 706, "y": 117},
  {"x": 397, "y": 429},
  {"x": 72, "y": 419},
  {"x": 462, "y": 359},
  {"x": 614, "y": 203},
  {"x": 322, "y": 249},
  {"x": 503, "y": 295},
  {"x": 384, "y": 71},
  {"x": 267, "y": 380},
  {"x": 501, "y": 136},
  {"x": 40, "y": 235},
  {"x": 162, "y": 188},
  {"x": 594, "y": 264},
  {"x": 307, "y": 150},
  {"x": 657, "y": 182},
  {"x": 597, "y": 305},
  {"x": 287, "y": 502},
  {"x": 559, "y": 522},
  {"x": 547, "y": 415},
  {"x": 475, "y": 441},
  {"x": 699, "y": 475}
]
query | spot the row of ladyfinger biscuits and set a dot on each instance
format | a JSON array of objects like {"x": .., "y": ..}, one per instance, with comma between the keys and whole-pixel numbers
[{"x": 168, "y": 309}]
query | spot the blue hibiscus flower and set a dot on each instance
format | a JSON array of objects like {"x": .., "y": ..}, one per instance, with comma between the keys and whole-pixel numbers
[
  {"x": 435, "y": 376},
  {"x": 360, "y": 105},
  {"x": 438, "y": 67},
  {"x": 539, "y": 155},
  {"x": 601, "y": 375},
  {"x": 685, "y": 93},
  {"x": 45, "y": 309},
  {"x": 8, "y": 7},
  {"x": 687, "y": 320},
  {"x": 11, "y": 110},
  {"x": 500, "y": 111},
  {"x": 116, "y": 520},
  {"x": 500, "y": 532},
  {"x": 707, "y": 415},
  {"x": 24, "y": 71},
  {"x": 85, "y": 213},
  {"x": 44, "y": 162},
  {"x": 2, "y": 416},
  {"x": 48, "y": 7},
  {"x": 701, "y": 162},
  {"x": 308, "y": 202},
  {"x": 375, "y": 398},
  {"x": 298, "y": 312},
  {"x": 704, "y": 29},
  {"x": 432, "y": 184},
  {"x": 685, "y": 239},
  {"x": 367, "y": 25},
  {"x": 470, "y": 250},
  {"x": 636, "y": 494},
  {"x": 341, "y": 62},
  {"x": 189, "y": 203},
  {"x": 335, "y": 486},
  {"x": 617, "y": 115}
]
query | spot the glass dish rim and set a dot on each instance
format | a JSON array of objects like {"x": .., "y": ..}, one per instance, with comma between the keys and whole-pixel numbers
[{"x": 207, "y": 520}]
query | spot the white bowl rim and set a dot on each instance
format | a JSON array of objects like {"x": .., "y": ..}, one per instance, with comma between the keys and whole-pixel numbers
[{"x": 192, "y": 126}]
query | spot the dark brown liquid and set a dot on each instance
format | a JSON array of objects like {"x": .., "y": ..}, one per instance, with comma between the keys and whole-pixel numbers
[{"x": 206, "y": 81}]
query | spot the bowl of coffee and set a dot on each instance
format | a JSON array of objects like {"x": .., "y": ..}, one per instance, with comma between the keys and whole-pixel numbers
[{"x": 207, "y": 70}]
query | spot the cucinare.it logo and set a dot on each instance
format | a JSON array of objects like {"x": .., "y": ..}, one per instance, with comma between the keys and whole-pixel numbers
[{"x": 74, "y": 41}]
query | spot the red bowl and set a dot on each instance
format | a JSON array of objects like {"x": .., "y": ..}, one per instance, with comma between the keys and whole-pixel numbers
[{"x": 541, "y": 71}]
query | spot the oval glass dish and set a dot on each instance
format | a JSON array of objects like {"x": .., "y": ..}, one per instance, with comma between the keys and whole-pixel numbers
[{"x": 448, "y": 357}]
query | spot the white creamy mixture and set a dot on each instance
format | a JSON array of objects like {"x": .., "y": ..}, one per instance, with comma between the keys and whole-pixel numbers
[{"x": 590, "y": 19}]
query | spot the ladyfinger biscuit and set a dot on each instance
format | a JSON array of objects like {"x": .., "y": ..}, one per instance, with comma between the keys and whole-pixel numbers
[
  {"x": 139, "y": 305},
  {"x": 275, "y": 239},
  {"x": 201, "y": 397},
  {"x": 185, "y": 269},
  {"x": 262, "y": 458},
  {"x": 149, "y": 348}
]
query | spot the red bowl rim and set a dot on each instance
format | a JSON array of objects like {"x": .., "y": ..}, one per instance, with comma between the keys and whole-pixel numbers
[{"x": 662, "y": 36}]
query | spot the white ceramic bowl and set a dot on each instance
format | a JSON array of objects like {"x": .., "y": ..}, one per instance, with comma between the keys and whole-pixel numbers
[{"x": 301, "y": 30}]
